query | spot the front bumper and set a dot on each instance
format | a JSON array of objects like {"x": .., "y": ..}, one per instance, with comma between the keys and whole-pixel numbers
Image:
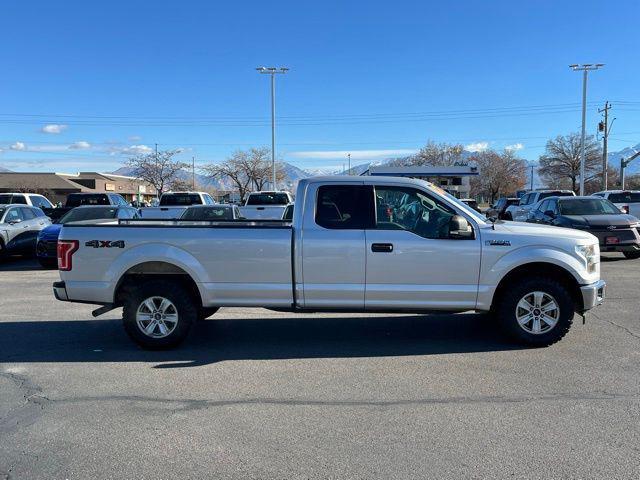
[
  {"x": 593, "y": 294},
  {"x": 60, "y": 291}
]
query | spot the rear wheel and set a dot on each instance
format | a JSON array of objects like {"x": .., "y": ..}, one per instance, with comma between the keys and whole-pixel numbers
[
  {"x": 507, "y": 216},
  {"x": 536, "y": 311},
  {"x": 632, "y": 255},
  {"x": 158, "y": 315}
]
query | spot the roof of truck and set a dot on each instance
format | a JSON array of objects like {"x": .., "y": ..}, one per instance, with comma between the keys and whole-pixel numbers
[{"x": 369, "y": 180}]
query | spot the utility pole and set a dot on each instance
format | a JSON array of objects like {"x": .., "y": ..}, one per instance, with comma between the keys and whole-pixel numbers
[
  {"x": 273, "y": 71},
  {"x": 605, "y": 127},
  {"x": 193, "y": 173},
  {"x": 585, "y": 68},
  {"x": 349, "y": 157},
  {"x": 531, "y": 177}
]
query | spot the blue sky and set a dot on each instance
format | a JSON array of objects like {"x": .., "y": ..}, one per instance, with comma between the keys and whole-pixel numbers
[{"x": 375, "y": 79}]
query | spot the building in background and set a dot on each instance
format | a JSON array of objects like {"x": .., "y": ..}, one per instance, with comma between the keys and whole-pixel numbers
[
  {"x": 455, "y": 179},
  {"x": 56, "y": 186}
]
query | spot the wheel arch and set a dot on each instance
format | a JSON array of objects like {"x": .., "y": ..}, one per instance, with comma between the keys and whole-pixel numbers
[
  {"x": 539, "y": 269},
  {"x": 154, "y": 270}
]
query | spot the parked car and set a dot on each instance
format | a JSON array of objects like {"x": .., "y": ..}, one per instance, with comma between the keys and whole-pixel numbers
[
  {"x": 78, "y": 199},
  {"x": 520, "y": 212},
  {"x": 173, "y": 204},
  {"x": 47, "y": 241},
  {"x": 212, "y": 212},
  {"x": 628, "y": 201},
  {"x": 266, "y": 205},
  {"x": 19, "y": 227},
  {"x": 445, "y": 258},
  {"x": 31, "y": 199},
  {"x": 471, "y": 202},
  {"x": 616, "y": 231},
  {"x": 500, "y": 206}
]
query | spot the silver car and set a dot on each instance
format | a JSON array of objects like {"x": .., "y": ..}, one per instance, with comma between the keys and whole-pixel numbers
[{"x": 19, "y": 227}]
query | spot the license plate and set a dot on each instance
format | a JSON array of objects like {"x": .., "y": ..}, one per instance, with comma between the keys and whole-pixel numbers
[{"x": 611, "y": 240}]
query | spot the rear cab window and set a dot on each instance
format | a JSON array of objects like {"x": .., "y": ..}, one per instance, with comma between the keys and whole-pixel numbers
[
  {"x": 344, "y": 207},
  {"x": 75, "y": 200},
  {"x": 268, "y": 199},
  {"x": 180, "y": 199},
  {"x": 624, "y": 197}
]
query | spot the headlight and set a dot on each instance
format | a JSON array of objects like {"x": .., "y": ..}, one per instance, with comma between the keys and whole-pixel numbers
[{"x": 590, "y": 254}]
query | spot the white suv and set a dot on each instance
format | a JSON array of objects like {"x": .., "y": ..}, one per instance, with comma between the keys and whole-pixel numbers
[
  {"x": 520, "y": 212},
  {"x": 31, "y": 199}
]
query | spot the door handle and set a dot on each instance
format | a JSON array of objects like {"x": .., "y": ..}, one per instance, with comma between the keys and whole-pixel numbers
[{"x": 382, "y": 247}]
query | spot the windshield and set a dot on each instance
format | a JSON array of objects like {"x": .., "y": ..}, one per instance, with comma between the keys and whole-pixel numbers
[
  {"x": 622, "y": 197},
  {"x": 74, "y": 200},
  {"x": 268, "y": 199},
  {"x": 80, "y": 214},
  {"x": 180, "y": 199},
  {"x": 588, "y": 206},
  {"x": 208, "y": 213}
]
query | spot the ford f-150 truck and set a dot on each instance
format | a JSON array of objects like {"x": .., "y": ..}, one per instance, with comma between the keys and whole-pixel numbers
[
  {"x": 359, "y": 244},
  {"x": 266, "y": 205},
  {"x": 173, "y": 204}
]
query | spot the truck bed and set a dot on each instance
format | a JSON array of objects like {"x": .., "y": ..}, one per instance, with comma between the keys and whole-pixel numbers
[{"x": 234, "y": 262}]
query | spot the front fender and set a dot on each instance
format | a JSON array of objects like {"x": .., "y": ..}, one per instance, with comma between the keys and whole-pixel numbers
[{"x": 492, "y": 274}]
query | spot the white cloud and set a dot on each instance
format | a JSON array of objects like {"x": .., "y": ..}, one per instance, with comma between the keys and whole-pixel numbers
[
  {"x": 53, "y": 128},
  {"x": 135, "y": 138},
  {"x": 514, "y": 147},
  {"x": 18, "y": 146},
  {"x": 81, "y": 145},
  {"x": 136, "y": 150},
  {"x": 355, "y": 154},
  {"x": 477, "y": 147}
]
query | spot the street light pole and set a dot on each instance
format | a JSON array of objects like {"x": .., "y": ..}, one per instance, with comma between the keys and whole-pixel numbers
[
  {"x": 273, "y": 71},
  {"x": 349, "y": 171},
  {"x": 584, "y": 68}
]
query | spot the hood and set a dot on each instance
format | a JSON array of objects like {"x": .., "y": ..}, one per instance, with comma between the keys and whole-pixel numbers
[
  {"x": 51, "y": 231},
  {"x": 541, "y": 231},
  {"x": 619, "y": 220}
]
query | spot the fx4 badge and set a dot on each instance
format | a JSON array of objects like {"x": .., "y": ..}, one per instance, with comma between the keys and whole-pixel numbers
[
  {"x": 105, "y": 243},
  {"x": 498, "y": 243}
]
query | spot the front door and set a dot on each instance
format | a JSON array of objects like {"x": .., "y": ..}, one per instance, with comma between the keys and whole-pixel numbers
[{"x": 412, "y": 262}]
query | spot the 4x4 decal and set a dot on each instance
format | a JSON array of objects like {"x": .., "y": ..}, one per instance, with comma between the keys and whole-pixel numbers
[{"x": 105, "y": 243}]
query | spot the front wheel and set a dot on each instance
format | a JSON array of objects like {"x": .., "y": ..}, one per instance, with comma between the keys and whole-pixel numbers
[
  {"x": 536, "y": 311},
  {"x": 158, "y": 315},
  {"x": 632, "y": 255}
]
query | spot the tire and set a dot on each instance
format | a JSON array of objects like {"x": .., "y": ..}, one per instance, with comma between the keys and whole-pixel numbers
[
  {"x": 205, "y": 312},
  {"x": 507, "y": 216},
  {"x": 632, "y": 255},
  {"x": 138, "y": 313},
  {"x": 533, "y": 293},
  {"x": 48, "y": 263}
]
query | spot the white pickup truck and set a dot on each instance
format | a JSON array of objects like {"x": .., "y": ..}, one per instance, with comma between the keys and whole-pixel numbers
[
  {"x": 173, "y": 204},
  {"x": 365, "y": 244},
  {"x": 266, "y": 205}
]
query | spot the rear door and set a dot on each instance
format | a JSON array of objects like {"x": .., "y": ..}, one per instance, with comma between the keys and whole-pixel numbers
[
  {"x": 333, "y": 244},
  {"x": 411, "y": 261}
]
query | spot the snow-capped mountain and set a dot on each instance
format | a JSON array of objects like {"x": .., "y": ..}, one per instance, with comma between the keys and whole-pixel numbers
[{"x": 634, "y": 166}]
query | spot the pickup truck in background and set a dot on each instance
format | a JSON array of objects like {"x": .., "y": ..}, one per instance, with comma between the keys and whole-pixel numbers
[
  {"x": 80, "y": 199},
  {"x": 173, "y": 204},
  {"x": 266, "y": 205},
  {"x": 628, "y": 201},
  {"x": 374, "y": 244}
]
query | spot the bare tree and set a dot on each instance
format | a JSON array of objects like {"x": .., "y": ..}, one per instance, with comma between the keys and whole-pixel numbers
[
  {"x": 434, "y": 154},
  {"x": 159, "y": 170},
  {"x": 500, "y": 173},
  {"x": 560, "y": 163},
  {"x": 247, "y": 169}
]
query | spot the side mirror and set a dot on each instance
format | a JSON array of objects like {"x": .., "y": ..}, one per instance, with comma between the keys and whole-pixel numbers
[
  {"x": 13, "y": 222},
  {"x": 550, "y": 214},
  {"x": 459, "y": 228}
]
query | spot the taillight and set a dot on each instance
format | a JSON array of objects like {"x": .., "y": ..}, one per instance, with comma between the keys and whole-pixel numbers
[{"x": 66, "y": 248}]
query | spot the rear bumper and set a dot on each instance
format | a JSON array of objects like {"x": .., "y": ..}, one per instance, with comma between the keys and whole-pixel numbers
[
  {"x": 593, "y": 294},
  {"x": 60, "y": 291}
]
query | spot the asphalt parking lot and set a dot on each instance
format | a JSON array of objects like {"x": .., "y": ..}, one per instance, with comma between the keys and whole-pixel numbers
[{"x": 257, "y": 394}]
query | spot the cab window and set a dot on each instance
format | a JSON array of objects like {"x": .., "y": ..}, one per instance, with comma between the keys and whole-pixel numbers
[
  {"x": 405, "y": 208},
  {"x": 344, "y": 207}
]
